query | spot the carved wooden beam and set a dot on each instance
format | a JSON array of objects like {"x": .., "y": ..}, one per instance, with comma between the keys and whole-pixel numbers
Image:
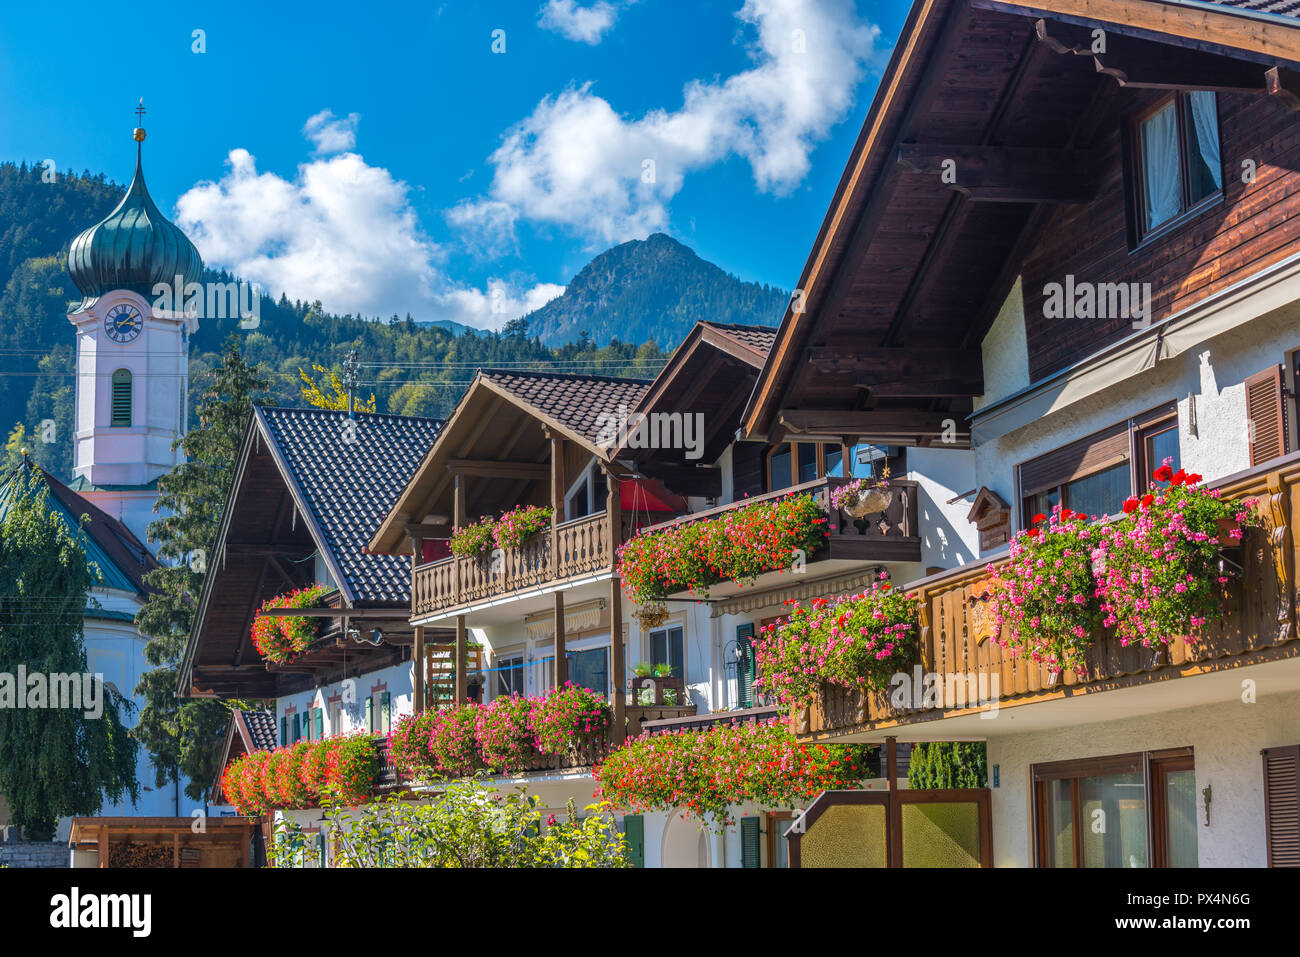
[{"x": 1004, "y": 174}]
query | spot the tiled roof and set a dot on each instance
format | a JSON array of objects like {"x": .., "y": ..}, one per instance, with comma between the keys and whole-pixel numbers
[
  {"x": 1282, "y": 8},
  {"x": 756, "y": 337},
  {"x": 118, "y": 557},
  {"x": 575, "y": 401},
  {"x": 261, "y": 728},
  {"x": 350, "y": 474}
]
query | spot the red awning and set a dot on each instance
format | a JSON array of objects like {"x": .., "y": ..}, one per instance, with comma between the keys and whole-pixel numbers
[{"x": 647, "y": 495}]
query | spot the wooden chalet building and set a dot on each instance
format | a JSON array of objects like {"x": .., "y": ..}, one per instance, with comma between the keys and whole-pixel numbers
[{"x": 1068, "y": 238}]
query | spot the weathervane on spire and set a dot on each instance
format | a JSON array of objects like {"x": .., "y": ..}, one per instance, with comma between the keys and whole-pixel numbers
[{"x": 139, "y": 118}]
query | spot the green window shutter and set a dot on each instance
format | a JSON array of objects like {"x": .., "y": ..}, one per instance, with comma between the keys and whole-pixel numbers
[
  {"x": 284, "y": 729},
  {"x": 745, "y": 665},
  {"x": 386, "y": 711},
  {"x": 634, "y": 831},
  {"x": 750, "y": 855},
  {"x": 370, "y": 714},
  {"x": 120, "y": 406},
  {"x": 297, "y": 727},
  {"x": 320, "y": 723}
]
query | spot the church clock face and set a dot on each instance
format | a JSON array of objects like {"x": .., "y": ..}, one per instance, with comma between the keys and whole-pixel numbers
[{"x": 123, "y": 323}]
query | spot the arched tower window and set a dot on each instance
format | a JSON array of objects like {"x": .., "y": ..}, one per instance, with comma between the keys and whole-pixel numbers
[{"x": 120, "y": 414}]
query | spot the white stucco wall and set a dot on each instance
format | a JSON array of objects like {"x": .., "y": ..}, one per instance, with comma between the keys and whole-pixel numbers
[
  {"x": 1213, "y": 374},
  {"x": 399, "y": 679},
  {"x": 1226, "y": 739},
  {"x": 947, "y": 538},
  {"x": 1005, "y": 349}
]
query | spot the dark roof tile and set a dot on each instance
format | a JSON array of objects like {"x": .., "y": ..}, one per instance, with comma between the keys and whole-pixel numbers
[
  {"x": 575, "y": 401},
  {"x": 350, "y": 475}
]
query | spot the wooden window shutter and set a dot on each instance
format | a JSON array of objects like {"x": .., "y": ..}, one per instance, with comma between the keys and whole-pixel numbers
[
  {"x": 634, "y": 833},
  {"x": 1266, "y": 413},
  {"x": 745, "y": 665},
  {"x": 370, "y": 714},
  {"x": 1095, "y": 453},
  {"x": 297, "y": 727},
  {"x": 320, "y": 723},
  {"x": 1282, "y": 805},
  {"x": 284, "y": 729},
  {"x": 750, "y": 855}
]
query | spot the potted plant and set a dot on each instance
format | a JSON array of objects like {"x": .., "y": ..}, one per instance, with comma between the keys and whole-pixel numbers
[
  {"x": 279, "y": 639},
  {"x": 474, "y": 540},
  {"x": 520, "y": 524},
  {"x": 1161, "y": 576},
  {"x": 1044, "y": 597},
  {"x": 864, "y": 496}
]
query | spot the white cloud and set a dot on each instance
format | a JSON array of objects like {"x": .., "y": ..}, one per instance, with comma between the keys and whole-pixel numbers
[
  {"x": 578, "y": 163},
  {"x": 581, "y": 24},
  {"x": 332, "y": 134},
  {"x": 340, "y": 231}
]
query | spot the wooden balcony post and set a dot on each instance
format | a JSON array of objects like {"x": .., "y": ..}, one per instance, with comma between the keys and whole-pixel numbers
[
  {"x": 617, "y": 666},
  {"x": 462, "y": 679},
  {"x": 561, "y": 663},
  {"x": 417, "y": 662},
  {"x": 557, "y": 497},
  {"x": 846, "y": 467}
]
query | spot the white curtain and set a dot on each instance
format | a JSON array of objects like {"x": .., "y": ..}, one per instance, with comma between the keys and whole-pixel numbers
[
  {"x": 1160, "y": 173},
  {"x": 1205, "y": 120}
]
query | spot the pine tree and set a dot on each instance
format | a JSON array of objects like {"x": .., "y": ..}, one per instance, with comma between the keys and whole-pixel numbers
[
  {"x": 943, "y": 764},
  {"x": 54, "y": 761},
  {"x": 184, "y": 735}
]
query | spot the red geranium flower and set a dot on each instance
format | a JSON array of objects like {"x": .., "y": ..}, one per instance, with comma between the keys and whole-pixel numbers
[
  {"x": 1040, "y": 517},
  {"x": 1163, "y": 474},
  {"x": 1130, "y": 505},
  {"x": 1147, "y": 499}
]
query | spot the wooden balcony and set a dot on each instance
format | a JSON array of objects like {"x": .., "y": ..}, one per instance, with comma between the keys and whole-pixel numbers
[
  {"x": 957, "y": 635},
  {"x": 568, "y": 552},
  {"x": 888, "y": 536}
]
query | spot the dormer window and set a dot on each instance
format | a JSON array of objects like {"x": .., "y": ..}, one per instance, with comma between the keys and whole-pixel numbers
[{"x": 1176, "y": 164}]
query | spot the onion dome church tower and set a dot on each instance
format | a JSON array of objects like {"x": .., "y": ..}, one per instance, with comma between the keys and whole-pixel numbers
[{"x": 132, "y": 352}]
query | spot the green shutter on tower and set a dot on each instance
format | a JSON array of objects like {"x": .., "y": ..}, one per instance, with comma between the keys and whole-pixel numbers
[
  {"x": 745, "y": 665},
  {"x": 284, "y": 729},
  {"x": 320, "y": 723},
  {"x": 634, "y": 832},
  {"x": 120, "y": 406},
  {"x": 750, "y": 856}
]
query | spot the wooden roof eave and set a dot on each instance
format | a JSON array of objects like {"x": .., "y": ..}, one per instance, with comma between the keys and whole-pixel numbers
[
  {"x": 759, "y": 412},
  {"x": 1181, "y": 22}
]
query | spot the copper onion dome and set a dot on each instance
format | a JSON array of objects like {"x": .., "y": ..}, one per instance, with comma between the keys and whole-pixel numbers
[{"x": 134, "y": 247}]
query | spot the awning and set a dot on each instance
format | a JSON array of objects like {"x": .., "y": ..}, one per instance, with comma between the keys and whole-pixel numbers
[{"x": 648, "y": 495}]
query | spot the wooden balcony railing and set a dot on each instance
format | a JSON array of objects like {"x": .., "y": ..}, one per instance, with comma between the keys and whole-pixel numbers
[
  {"x": 958, "y": 642},
  {"x": 891, "y": 535},
  {"x": 571, "y": 550}
]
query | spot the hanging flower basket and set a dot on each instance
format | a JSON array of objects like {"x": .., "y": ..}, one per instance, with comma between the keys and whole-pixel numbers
[
  {"x": 863, "y": 497},
  {"x": 652, "y": 615},
  {"x": 280, "y": 639}
]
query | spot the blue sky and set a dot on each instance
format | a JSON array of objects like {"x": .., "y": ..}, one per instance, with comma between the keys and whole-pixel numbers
[{"x": 438, "y": 176}]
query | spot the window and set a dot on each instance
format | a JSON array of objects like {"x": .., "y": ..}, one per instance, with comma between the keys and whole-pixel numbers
[
  {"x": 510, "y": 676},
  {"x": 1127, "y": 810},
  {"x": 577, "y": 504},
  {"x": 379, "y": 712},
  {"x": 336, "y": 715},
  {"x": 1176, "y": 163},
  {"x": 587, "y": 495},
  {"x": 746, "y": 666},
  {"x": 590, "y": 669},
  {"x": 792, "y": 463},
  {"x": 666, "y": 649},
  {"x": 120, "y": 406},
  {"x": 778, "y": 846},
  {"x": 1096, "y": 474}
]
